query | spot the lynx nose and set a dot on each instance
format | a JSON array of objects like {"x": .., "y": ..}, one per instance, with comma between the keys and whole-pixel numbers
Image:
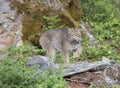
[{"x": 76, "y": 38}]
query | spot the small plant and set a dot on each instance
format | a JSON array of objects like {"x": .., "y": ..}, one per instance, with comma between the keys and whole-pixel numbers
[{"x": 52, "y": 22}]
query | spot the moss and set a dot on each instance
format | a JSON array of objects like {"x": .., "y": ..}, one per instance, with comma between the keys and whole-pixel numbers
[{"x": 30, "y": 27}]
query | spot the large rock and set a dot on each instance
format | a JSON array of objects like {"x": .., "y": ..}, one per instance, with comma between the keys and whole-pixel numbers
[
  {"x": 31, "y": 21},
  {"x": 10, "y": 26},
  {"x": 69, "y": 12}
]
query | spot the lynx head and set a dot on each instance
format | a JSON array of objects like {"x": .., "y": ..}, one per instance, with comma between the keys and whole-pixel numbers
[{"x": 74, "y": 34}]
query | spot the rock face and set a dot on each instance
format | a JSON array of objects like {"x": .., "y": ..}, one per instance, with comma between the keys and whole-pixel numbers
[
  {"x": 69, "y": 12},
  {"x": 13, "y": 24},
  {"x": 10, "y": 26}
]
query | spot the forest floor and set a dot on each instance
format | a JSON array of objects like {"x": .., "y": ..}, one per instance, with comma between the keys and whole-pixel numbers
[{"x": 90, "y": 79}]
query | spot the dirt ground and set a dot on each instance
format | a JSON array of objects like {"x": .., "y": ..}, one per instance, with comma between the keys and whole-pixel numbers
[{"x": 90, "y": 79}]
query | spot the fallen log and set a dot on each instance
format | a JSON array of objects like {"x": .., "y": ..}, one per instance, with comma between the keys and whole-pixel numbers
[{"x": 79, "y": 67}]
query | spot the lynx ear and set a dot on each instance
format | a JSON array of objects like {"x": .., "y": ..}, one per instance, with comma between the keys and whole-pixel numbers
[
  {"x": 78, "y": 31},
  {"x": 71, "y": 30}
]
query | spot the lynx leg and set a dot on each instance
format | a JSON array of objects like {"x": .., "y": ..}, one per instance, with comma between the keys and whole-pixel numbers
[
  {"x": 52, "y": 54},
  {"x": 45, "y": 42},
  {"x": 65, "y": 55},
  {"x": 77, "y": 52}
]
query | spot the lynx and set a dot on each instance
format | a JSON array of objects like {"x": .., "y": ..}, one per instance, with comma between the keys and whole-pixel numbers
[{"x": 63, "y": 40}]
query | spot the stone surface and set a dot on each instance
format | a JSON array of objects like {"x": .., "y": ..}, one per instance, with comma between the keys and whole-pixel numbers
[
  {"x": 41, "y": 62},
  {"x": 10, "y": 26},
  {"x": 112, "y": 74}
]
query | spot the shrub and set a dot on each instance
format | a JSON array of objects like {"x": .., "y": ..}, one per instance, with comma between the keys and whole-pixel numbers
[{"x": 15, "y": 74}]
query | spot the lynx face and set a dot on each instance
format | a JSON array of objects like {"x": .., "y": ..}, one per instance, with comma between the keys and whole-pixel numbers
[
  {"x": 75, "y": 34},
  {"x": 64, "y": 40}
]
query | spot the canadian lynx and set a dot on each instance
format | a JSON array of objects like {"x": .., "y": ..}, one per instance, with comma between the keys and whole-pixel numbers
[{"x": 64, "y": 40}]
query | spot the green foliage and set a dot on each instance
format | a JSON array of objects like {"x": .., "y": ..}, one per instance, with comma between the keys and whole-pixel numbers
[
  {"x": 97, "y": 10},
  {"x": 51, "y": 80},
  {"x": 23, "y": 52},
  {"x": 93, "y": 53},
  {"x": 15, "y": 74},
  {"x": 102, "y": 15},
  {"x": 52, "y": 22}
]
